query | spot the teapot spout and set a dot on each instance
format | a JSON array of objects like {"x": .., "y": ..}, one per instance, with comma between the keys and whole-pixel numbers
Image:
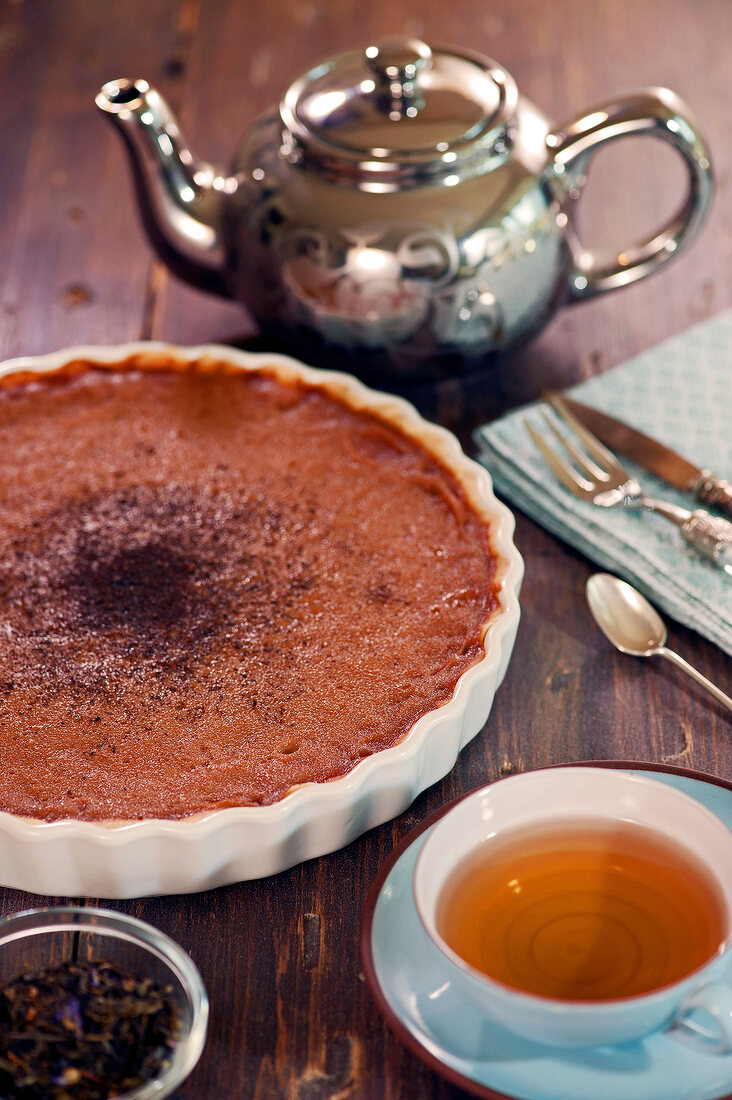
[{"x": 180, "y": 199}]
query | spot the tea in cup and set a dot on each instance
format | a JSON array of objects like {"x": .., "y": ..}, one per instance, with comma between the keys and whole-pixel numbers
[{"x": 584, "y": 907}]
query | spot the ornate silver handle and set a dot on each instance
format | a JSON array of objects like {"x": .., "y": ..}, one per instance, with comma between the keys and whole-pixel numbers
[
  {"x": 711, "y": 536},
  {"x": 657, "y": 112},
  {"x": 714, "y": 490}
]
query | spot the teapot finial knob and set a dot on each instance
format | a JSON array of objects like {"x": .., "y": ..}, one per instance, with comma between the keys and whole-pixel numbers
[{"x": 397, "y": 64}]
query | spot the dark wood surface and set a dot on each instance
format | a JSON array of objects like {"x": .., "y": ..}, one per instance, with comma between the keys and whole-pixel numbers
[{"x": 291, "y": 1016}]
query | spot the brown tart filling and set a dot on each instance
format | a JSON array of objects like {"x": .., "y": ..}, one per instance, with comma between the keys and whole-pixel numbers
[{"x": 216, "y": 585}]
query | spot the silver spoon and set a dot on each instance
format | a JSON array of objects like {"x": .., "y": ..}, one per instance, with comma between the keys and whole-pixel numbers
[{"x": 627, "y": 619}]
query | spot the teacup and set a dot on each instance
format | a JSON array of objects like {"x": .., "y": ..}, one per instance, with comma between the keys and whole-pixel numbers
[{"x": 584, "y": 907}]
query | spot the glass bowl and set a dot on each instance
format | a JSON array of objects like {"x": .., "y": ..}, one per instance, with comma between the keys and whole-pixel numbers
[{"x": 37, "y": 938}]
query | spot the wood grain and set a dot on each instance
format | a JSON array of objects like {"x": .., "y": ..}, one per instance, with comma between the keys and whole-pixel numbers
[{"x": 291, "y": 1016}]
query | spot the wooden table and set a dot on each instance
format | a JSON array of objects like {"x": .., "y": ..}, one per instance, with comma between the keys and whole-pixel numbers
[{"x": 291, "y": 1016}]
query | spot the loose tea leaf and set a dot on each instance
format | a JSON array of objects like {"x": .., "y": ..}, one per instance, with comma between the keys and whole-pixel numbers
[{"x": 83, "y": 1031}]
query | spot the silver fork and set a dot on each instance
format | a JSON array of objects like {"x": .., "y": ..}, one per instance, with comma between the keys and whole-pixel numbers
[{"x": 599, "y": 477}]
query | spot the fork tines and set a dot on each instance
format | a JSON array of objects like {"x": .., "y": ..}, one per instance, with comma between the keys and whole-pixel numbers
[{"x": 595, "y": 461}]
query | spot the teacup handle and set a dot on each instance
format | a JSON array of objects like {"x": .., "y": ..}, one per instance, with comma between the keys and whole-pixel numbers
[
  {"x": 715, "y": 1002},
  {"x": 657, "y": 112}
]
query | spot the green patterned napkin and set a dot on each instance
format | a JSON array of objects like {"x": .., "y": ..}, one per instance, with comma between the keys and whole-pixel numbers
[{"x": 681, "y": 394}]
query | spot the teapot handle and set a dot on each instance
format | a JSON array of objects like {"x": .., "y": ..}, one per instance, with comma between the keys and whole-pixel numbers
[{"x": 657, "y": 112}]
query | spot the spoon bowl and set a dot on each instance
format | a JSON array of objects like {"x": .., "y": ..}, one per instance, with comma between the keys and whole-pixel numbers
[
  {"x": 625, "y": 616},
  {"x": 628, "y": 620}
]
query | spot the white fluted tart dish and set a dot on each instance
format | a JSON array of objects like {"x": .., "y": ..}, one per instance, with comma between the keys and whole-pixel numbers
[{"x": 249, "y": 610}]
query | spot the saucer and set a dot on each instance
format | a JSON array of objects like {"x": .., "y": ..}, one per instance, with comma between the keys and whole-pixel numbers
[{"x": 409, "y": 980}]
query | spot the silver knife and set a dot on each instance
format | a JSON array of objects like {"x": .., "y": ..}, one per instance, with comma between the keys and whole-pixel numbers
[{"x": 655, "y": 456}]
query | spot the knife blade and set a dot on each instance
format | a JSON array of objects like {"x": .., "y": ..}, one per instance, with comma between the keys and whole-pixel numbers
[{"x": 655, "y": 456}]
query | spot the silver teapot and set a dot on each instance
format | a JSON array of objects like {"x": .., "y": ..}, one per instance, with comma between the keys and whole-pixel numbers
[{"x": 403, "y": 212}]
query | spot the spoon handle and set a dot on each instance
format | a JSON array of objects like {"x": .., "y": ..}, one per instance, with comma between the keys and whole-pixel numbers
[{"x": 711, "y": 688}]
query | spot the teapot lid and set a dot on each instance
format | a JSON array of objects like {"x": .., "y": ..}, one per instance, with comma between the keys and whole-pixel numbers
[{"x": 397, "y": 106}]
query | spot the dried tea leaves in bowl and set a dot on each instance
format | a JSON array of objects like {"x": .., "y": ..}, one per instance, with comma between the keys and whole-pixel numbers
[{"x": 83, "y": 1031}]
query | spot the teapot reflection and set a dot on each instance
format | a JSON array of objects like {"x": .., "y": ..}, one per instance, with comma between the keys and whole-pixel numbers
[{"x": 364, "y": 302}]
